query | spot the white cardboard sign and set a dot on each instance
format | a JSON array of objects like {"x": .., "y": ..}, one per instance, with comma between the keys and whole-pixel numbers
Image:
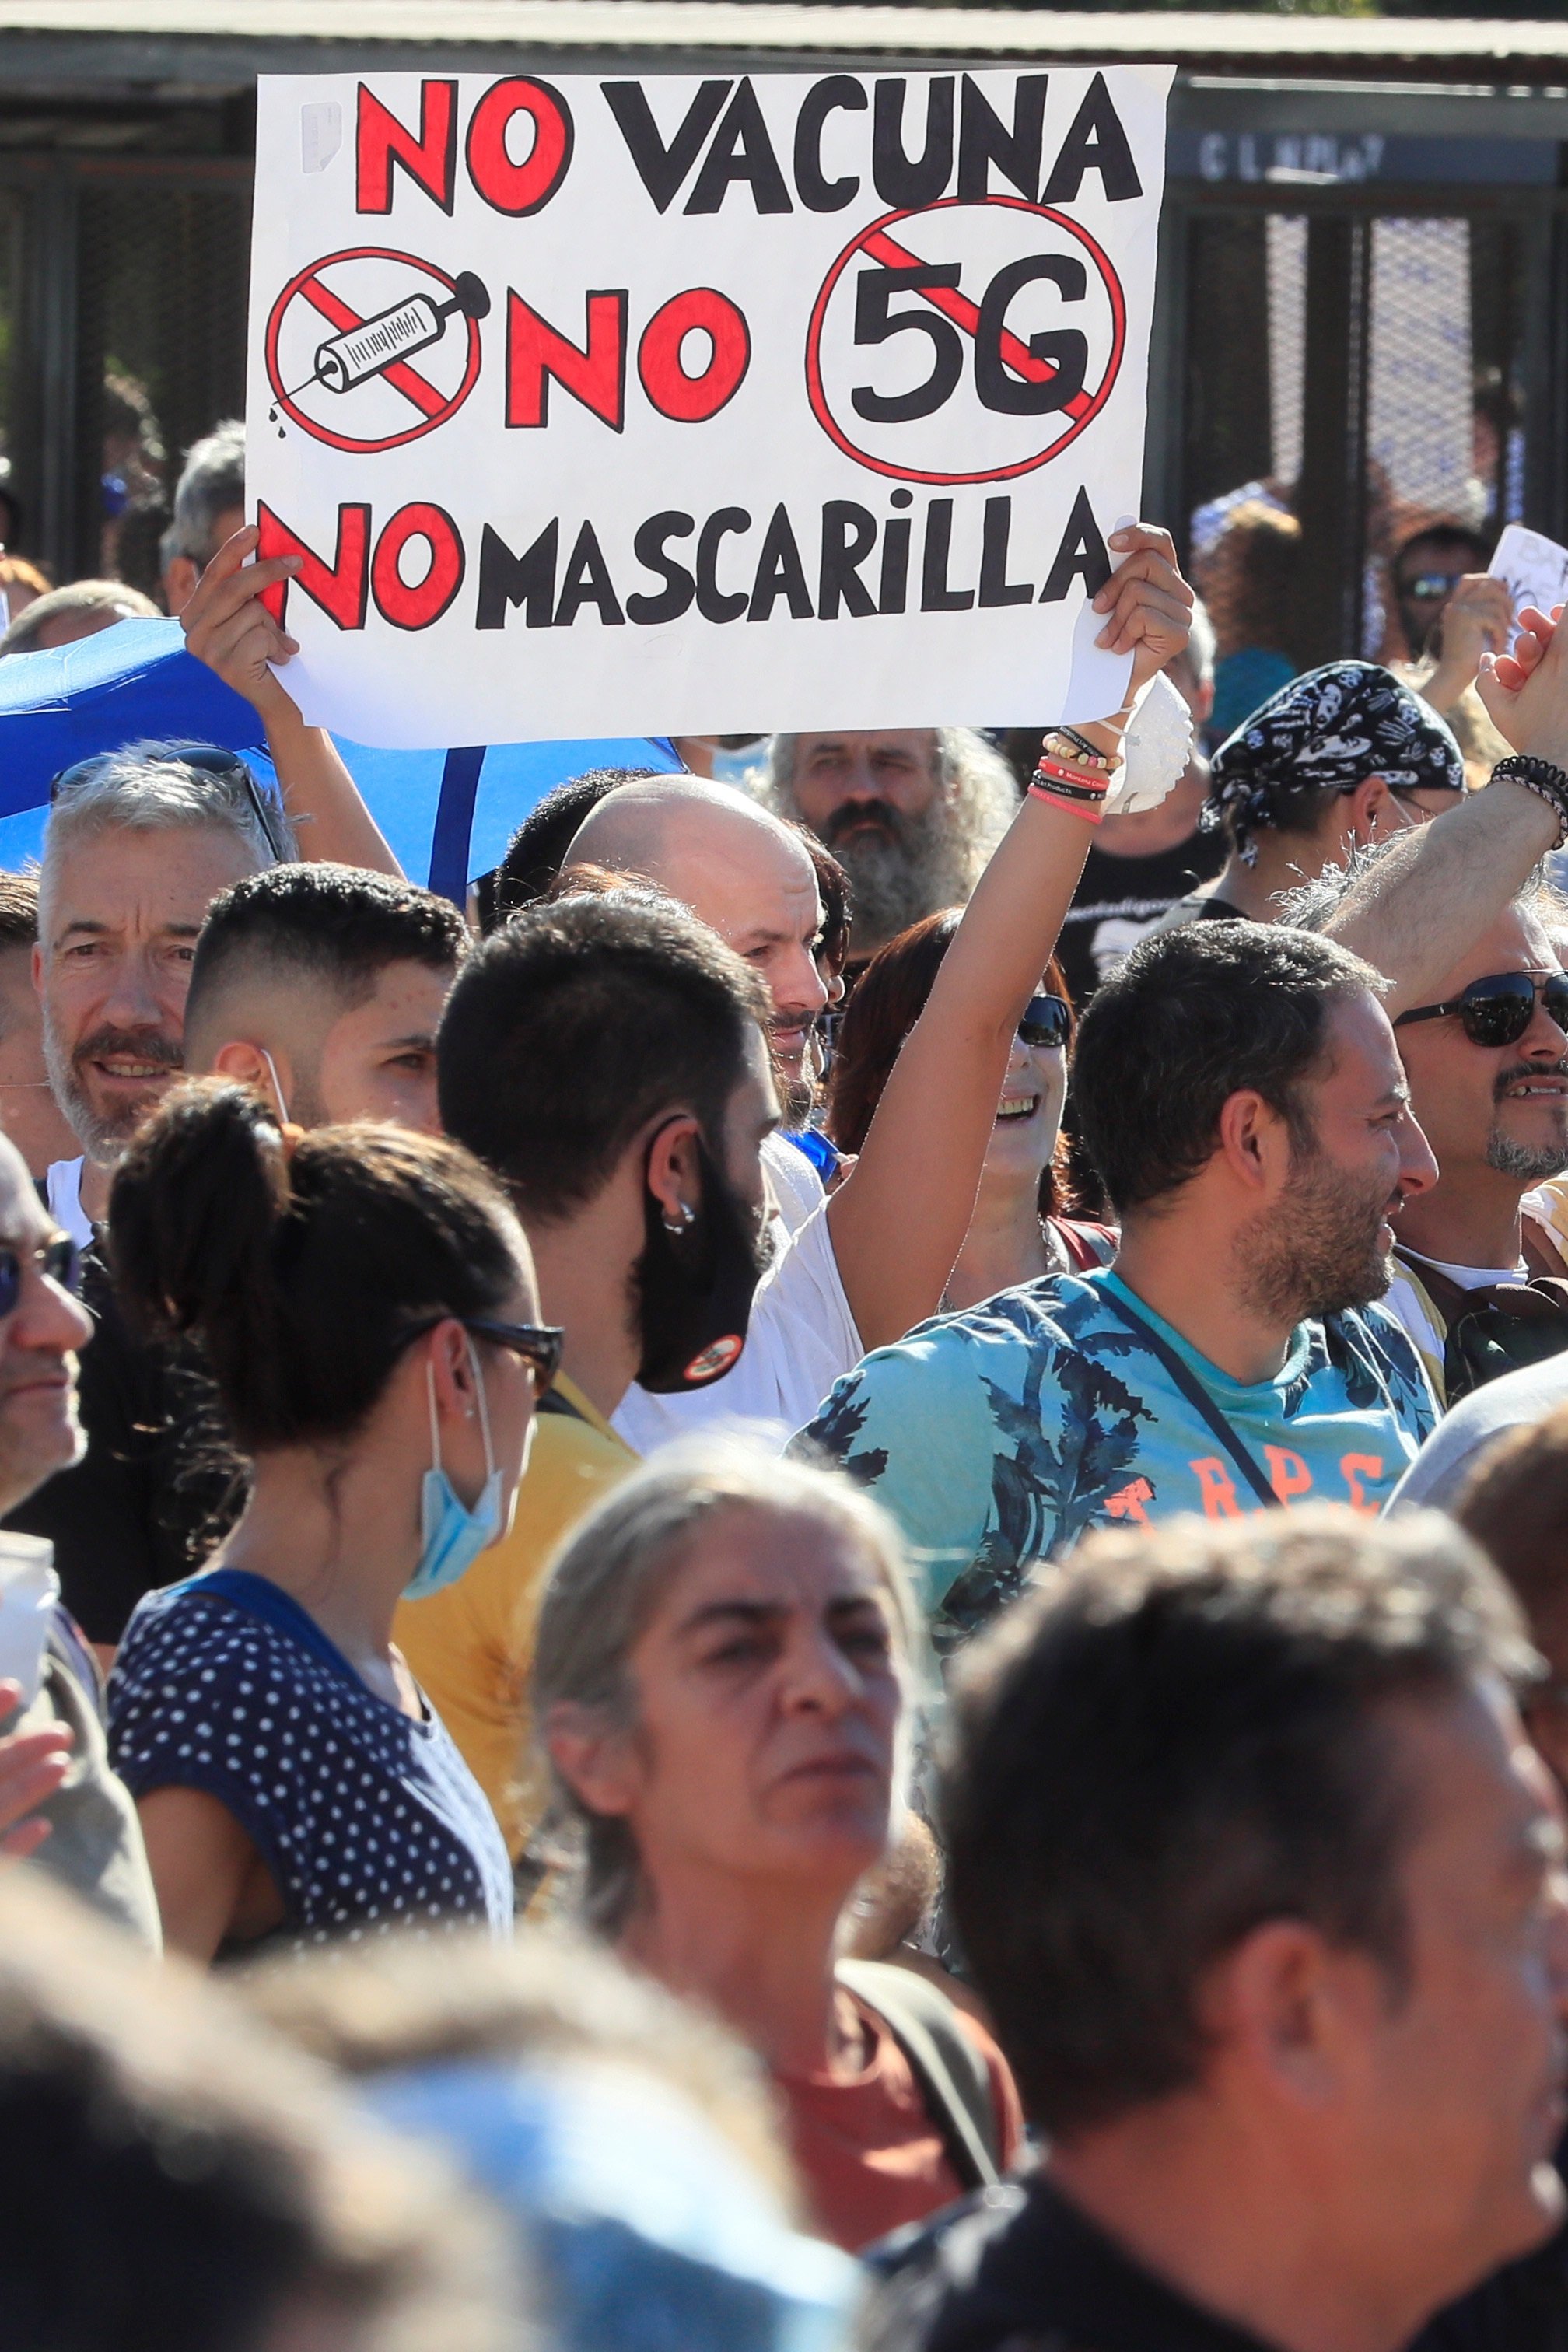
[
  {"x": 616, "y": 407},
  {"x": 1532, "y": 568}
]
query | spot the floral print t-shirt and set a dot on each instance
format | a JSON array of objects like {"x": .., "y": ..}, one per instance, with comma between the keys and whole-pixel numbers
[{"x": 1000, "y": 1435}]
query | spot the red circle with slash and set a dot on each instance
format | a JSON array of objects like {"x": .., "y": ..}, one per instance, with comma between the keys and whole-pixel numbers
[
  {"x": 434, "y": 405},
  {"x": 878, "y": 243}
]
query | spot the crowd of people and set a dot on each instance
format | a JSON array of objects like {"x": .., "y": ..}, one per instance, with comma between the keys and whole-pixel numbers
[{"x": 803, "y": 1585}]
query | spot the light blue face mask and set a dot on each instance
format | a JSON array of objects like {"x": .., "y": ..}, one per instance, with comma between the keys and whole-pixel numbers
[{"x": 452, "y": 1536}]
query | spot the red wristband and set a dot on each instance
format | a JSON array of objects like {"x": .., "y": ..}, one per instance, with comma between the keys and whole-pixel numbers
[{"x": 1090, "y": 807}]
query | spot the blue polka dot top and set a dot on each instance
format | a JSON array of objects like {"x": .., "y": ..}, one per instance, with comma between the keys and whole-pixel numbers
[{"x": 369, "y": 1821}]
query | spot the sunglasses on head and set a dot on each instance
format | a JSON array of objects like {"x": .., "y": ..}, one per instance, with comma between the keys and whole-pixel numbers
[
  {"x": 208, "y": 759},
  {"x": 1046, "y": 1020},
  {"x": 59, "y": 1261},
  {"x": 1497, "y": 1010}
]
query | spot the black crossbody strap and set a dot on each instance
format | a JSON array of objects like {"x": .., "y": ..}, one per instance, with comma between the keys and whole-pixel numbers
[{"x": 1193, "y": 1390}]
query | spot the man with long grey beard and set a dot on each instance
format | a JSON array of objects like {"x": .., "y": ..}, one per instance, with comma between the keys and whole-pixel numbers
[{"x": 911, "y": 815}]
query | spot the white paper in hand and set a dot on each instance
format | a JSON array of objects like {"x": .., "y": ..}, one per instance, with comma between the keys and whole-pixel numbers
[
  {"x": 1534, "y": 569},
  {"x": 29, "y": 1591}
]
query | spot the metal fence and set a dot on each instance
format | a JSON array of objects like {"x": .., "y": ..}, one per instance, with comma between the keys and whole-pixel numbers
[
  {"x": 1339, "y": 366},
  {"x": 122, "y": 293},
  {"x": 1360, "y": 392}
]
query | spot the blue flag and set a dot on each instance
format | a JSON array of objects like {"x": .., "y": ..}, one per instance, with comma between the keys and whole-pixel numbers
[{"x": 448, "y": 815}]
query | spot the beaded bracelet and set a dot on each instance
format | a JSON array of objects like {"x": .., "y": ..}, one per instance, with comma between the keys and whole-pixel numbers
[
  {"x": 1542, "y": 777},
  {"x": 1063, "y": 744},
  {"x": 1090, "y": 752}
]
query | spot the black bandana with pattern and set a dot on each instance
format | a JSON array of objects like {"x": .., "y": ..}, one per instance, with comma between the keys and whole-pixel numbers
[{"x": 1329, "y": 730}]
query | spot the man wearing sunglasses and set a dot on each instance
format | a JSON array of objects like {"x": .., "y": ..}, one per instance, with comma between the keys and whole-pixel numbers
[
  {"x": 1487, "y": 1059},
  {"x": 1454, "y": 919}
]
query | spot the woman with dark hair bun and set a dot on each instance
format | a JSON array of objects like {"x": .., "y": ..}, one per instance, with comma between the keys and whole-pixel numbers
[
  {"x": 1021, "y": 1230},
  {"x": 364, "y": 1301}
]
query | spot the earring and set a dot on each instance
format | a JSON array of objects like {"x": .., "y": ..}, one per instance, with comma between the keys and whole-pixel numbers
[{"x": 683, "y": 1222}]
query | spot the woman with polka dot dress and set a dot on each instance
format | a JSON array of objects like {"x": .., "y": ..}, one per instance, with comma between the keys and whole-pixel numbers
[{"x": 365, "y": 1303}]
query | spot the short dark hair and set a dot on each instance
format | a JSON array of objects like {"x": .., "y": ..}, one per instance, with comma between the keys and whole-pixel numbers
[
  {"x": 1446, "y": 534},
  {"x": 337, "y": 927},
  {"x": 573, "y": 1025},
  {"x": 303, "y": 1272},
  {"x": 1188, "y": 1020},
  {"x": 537, "y": 850},
  {"x": 1180, "y": 1738},
  {"x": 837, "y": 896},
  {"x": 18, "y": 910}
]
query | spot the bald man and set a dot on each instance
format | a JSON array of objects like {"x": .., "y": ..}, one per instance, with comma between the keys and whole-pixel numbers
[
  {"x": 874, "y": 1259},
  {"x": 744, "y": 874}
]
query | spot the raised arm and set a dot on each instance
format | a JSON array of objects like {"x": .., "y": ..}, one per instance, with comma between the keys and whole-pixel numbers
[
  {"x": 1419, "y": 909},
  {"x": 227, "y": 626},
  {"x": 898, "y": 1222}
]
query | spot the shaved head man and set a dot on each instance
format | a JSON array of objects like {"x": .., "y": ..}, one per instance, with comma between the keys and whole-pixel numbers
[
  {"x": 322, "y": 986},
  {"x": 744, "y": 873}
]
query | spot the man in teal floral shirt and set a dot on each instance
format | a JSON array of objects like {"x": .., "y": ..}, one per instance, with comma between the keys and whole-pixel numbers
[{"x": 1238, "y": 1087}]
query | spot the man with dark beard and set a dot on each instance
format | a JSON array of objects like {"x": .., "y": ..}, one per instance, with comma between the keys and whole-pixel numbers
[
  {"x": 911, "y": 815},
  {"x": 606, "y": 1055},
  {"x": 1239, "y": 1091}
]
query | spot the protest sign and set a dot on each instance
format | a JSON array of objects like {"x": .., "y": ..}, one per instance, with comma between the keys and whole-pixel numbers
[
  {"x": 1532, "y": 568},
  {"x": 603, "y": 405}
]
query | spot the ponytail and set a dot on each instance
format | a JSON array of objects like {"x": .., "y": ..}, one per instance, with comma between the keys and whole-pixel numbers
[{"x": 300, "y": 1268}]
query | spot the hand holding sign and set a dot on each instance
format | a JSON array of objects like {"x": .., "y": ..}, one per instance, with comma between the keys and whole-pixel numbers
[
  {"x": 1532, "y": 568},
  {"x": 227, "y": 626},
  {"x": 1526, "y": 692}
]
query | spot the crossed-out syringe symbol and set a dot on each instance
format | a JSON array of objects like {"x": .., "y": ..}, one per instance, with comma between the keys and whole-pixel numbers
[{"x": 372, "y": 345}]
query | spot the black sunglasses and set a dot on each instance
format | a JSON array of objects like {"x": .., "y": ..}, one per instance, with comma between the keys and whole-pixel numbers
[
  {"x": 57, "y": 1261},
  {"x": 1046, "y": 1020},
  {"x": 1497, "y": 1010},
  {"x": 209, "y": 759},
  {"x": 539, "y": 1344}
]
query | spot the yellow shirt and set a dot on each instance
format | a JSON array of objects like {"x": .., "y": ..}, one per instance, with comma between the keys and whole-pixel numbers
[{"x": 471, "y": 1647}]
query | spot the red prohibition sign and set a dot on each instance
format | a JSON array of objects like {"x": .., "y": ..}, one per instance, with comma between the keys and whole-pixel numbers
[
  {"x": 877, "y": 244},
  {"x": 433, "y": 406}
]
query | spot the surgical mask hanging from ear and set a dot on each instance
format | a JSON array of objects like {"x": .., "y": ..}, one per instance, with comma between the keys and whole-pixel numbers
[
  {"x": 277, "y": 1094},
  {"x": 452, "y": 1536}
]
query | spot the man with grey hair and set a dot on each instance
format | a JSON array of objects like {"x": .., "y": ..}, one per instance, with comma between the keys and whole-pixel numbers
[
  {"x": 139, "y": 843},
  {"x": 911, "y": 813},
  {"x": 209, "y": 507}
]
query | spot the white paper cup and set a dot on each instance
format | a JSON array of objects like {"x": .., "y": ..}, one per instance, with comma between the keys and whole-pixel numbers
[{"x": 29, "y": 1591}]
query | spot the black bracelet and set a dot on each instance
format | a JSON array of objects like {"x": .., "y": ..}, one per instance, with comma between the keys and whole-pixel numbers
[
  {"x": 1547, "y": 782},
  {"x": 1067, "y": 791}
]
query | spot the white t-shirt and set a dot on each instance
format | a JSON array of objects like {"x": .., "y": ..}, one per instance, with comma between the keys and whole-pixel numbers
[
  {"x": 1405, "y": 1303},
  {"x": 796, "y": 1187},
  {"x": 801, "y": 1338},
  {"x": 62, "y": 1184}
]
